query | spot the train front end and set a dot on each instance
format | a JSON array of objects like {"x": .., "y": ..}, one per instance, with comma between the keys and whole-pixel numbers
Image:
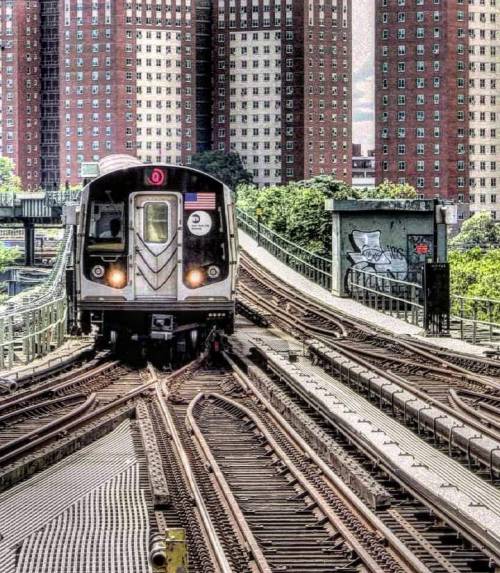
[{"x": 156, "y": 255}]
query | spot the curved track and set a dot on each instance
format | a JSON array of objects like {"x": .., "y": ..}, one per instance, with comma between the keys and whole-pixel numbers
[
  {"x": 34, "y": 417},
  {"x": 430, "y": 371}
]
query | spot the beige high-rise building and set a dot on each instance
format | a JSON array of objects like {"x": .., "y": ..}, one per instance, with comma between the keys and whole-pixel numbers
[{"x": 484, "y": 105}]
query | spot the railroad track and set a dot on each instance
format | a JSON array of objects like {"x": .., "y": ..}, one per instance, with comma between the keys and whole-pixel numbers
[
  {"x": 264, "y": 496},
  {"x": 250, "y": 493},
  {"x": 430, "y": 372},
  {"x": 331, "y": 545},
  {"x": 434, "y": 542},
  {"x": 31, "y": 418}
]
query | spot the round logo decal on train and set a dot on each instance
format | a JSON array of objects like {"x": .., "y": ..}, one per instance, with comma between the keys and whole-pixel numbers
[{"x": 199, "y": 223}]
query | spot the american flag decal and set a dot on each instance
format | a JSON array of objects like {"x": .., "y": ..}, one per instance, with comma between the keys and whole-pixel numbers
[{"x": 193, "y": 201}]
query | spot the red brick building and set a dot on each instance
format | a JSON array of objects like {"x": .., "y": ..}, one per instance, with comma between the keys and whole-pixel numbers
[
  {"x": 130, "y": 83},
  {"x": 163, "y": 80},
  {"x": 20, "y": 88},
  {"x": 421, "y": 95},
  {"x": 282, "y": 87}
]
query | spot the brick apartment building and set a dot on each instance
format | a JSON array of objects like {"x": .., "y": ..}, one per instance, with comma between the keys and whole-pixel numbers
[
  {"x": 164, "y": 79},
  {"x": 421, "y": 78},
  {"x": 135, "y": 78},
  {"x": 81, "y": 79},
  {"x": 20, "y": 102},
  {"x": 282, "y": 87},
  {"x": 484, "y": 106}
]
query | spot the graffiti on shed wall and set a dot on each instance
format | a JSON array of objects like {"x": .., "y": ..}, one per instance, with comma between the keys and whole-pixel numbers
[{"x": 371, "y": 256}]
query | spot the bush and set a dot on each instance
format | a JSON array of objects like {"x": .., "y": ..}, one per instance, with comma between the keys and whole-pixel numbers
[
  {"x": 475, "y": 273},
  {"x": 297, "y": 210}
]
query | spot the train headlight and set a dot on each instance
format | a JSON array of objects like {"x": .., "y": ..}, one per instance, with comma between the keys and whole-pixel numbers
[
  {"x": 116, "y": 278},
  {"x": 213, "y": 272},
  {"x": 195, "y": 278},
  {"x": 98, "y": 271}
]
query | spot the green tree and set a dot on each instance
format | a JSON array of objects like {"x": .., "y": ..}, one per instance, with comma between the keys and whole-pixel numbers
[
  {"x": 296, "y": 211},
  {"x": 8, "y": 256},
  {"x": 476, "y": 273},
  {"x": 9, "y": 182},
  {"x": 480, "y": 229},
  {"x": 227, "y": 167},
  {"x": 332, "y": 188},
  {"x": 388, "y": 190}
]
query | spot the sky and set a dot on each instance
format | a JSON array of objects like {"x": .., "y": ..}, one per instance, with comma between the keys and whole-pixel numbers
[{"x": 363, "y": 24}]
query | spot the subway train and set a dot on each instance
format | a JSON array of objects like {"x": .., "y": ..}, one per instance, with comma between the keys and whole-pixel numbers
[{"x": 155, "y": 255}]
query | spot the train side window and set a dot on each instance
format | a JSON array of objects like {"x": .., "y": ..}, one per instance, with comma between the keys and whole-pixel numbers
[{"x": 156, "y": 222}]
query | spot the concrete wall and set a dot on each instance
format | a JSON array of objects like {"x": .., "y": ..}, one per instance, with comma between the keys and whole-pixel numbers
[{"x": 393, "y": 238}]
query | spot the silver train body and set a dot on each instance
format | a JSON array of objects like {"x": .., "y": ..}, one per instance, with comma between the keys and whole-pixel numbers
[{"x": 156, "y": 253}]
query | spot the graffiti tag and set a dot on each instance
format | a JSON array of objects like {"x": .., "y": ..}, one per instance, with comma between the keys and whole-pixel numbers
[{"x": 372, "y": 257}]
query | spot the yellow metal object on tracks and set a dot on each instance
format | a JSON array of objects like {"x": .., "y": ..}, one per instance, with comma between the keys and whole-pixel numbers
[{"x": 176, "y": 551}]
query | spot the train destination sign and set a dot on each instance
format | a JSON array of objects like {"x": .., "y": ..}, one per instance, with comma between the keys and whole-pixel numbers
[{"x": 155, "y": 177}]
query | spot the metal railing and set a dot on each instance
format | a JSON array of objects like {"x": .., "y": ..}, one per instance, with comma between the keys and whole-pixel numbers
[
  {"x": 314, "y": 267},
  {"x": 60, "y": 198},
  {"x": 7, "y": 199},
  {"x": 464, "y": 247},
  {"x": 477, "y": 319},
  {"x": 51, "y": 198},
  {"x": 34, "y": 322},
  {"x": 393, "y": 296}
]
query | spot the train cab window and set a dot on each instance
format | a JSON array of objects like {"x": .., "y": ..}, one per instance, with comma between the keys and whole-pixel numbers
[
  {"x": 156, "y": 222},
  {"x": 107, "y": 229}
]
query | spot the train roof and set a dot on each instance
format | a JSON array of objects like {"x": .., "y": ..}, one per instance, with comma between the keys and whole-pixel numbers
[{"x": 92, "y": 171}]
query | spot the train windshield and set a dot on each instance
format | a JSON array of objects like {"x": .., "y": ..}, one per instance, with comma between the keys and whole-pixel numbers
[{"x": 106, "y": 227}]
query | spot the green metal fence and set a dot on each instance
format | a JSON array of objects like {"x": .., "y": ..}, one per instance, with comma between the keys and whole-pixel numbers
[
  {"x": 34, "y": 322},
  {"x": 314, "y": 267}
]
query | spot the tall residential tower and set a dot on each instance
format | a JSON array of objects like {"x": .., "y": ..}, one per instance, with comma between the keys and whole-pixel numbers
[
  {"x": 421, "y": 104},
  {"x": 134, "y": 79},
  {"x": 20, "y": 83},
  {"x": 282, "y": 86},
  {"x": 164, "y": 79},
  {"x": 484, "y": 105}
]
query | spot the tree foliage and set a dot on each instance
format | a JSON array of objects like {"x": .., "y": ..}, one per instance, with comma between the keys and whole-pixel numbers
[
  {"x": 9, "y": 182},
  {"x": 297, "y": 210},
  {"x": 388, "y": 190},
  {"x": 8, "y": 256},
  {"x": 480, "y": 229},
  {"x": 476, "y": 273},
  {"x": 227, "y": 167}
]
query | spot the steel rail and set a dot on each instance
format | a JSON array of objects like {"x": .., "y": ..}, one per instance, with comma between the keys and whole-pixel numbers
[
  {"x": 410, "y": 561},
  {"x": 210, "y": 530},
  {"x": 352, "y": 354},
  {"x": 472, "y": 531},
  {"x": 16, "y": 446},
  {"x": 50, "y": 389},
  {"x": 77, "y": 421},
  {"x": 304, "y": 483},
  {"x": 293, "y": 322},
  {"x": 484, "y": 417},
  {"x": 266, "y": 278},
  {"x": 31, "y": 407},
  {"x": 493, "y": 433},
  {"x": 233, "y": 506}
]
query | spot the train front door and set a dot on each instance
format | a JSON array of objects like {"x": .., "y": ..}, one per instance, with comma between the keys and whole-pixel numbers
[{"x": 154, "y": 238}]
